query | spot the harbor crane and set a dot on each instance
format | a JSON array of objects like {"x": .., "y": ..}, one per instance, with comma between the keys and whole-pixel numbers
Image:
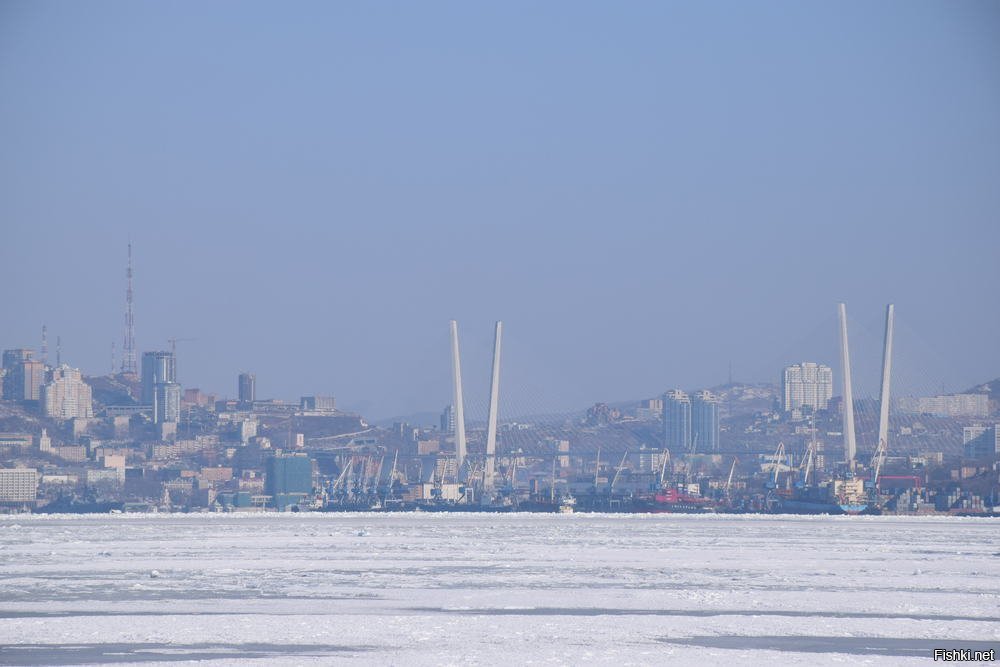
[
  {"x": 729, "y": 480},
  {"x": 663, "y": 466},
  {"x": 779, "y": 454},
  {"x": 878, "y": 460},
  {"x": 618, "y": 472},
  {"x": 597, "y": 468}
]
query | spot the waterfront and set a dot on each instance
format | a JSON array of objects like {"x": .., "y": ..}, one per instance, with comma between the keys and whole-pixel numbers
[{"x": 486, "y": 589}]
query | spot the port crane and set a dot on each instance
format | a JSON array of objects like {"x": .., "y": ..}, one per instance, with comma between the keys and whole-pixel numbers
[
  {"x": 552, "y": 485},
  {"x": 808, "y": 460},
  {"x": 729, "y": 480},
  {"x": 392, "y": 476},
  {"x": 779, "y": 454},
  {"x": 663, "y": 466},
  {"x": 597, "y": 468},
  {"x": 618, "y": 472},
  {"x": 878, "y": 459},
  {"x": 339, "y": 485}
]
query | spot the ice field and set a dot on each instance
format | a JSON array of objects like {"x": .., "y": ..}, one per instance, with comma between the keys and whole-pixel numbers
[{"x": 431, "y": 589}]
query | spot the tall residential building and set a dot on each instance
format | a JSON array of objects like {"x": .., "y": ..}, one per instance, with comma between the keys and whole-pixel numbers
[
  {"x": 166, "y": 403},
  {"x": 677, "y": 420},
  {"x": 12, "y": 358},
  {"x": 448, "y": 420},
  {"x": 806, "y": 384},
  {"x": 23, "y": 376},
  {"x": 247, "y": 388},
  {"x": 981, "y": 442},
  {"x": 66, "y": 395},
  {"x": 157, "y": 367},
  {"x": 705, "y": 422},
  {"x": 32, "y": 376}
]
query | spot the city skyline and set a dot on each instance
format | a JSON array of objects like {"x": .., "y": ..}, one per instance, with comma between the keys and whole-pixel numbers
[{"x": 911, "y": 392}]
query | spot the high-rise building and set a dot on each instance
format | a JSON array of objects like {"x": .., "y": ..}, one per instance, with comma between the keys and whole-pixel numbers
[
  {"x": 32, "y": 377},
  {"x": 677, "y": 420},
  {"x": 12, "y": 358},
  {"x": 247, "y": 388},
  {"x": 806, "y": 384},
  {"x": 166, "y": 403},
  {"x": 288, "y": 479},
  {"x": 157, "y": 367},
  {"x": 705, "y": 422},
  {"x": 980, "y": 441},
  {"x": 66, "y": 395},
  {"x": 448, "y": 420},
  {"x": 23, "y": 376}
]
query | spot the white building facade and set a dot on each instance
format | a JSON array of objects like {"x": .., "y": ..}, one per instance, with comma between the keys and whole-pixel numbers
[
  {"x": 807, "y": 384},
  {"x": 67, "y": 396}
]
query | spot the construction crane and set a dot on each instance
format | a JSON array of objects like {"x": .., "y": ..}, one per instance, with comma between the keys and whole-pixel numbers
[{"x": 173, "y": 343}]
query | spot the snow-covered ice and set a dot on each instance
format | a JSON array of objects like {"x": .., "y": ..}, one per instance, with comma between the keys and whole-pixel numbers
[{"x": 434, "y": 589}]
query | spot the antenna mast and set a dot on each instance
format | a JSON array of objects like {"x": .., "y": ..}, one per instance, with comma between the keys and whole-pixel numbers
[{"x": 128, "y": 346}]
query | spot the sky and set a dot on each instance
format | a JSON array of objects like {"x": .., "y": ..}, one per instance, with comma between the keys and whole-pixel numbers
[{"x": 646, "y": 193}]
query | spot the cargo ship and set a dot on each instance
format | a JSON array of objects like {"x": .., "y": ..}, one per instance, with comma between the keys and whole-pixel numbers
[
  {"x": 850, "y": 495},
  {"x": 673, "y": 500}
]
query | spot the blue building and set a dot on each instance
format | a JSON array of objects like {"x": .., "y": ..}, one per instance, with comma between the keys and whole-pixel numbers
[
  {"x": 288, "y": 479},
  {"x": 677, "y": 421},
  {"x": 705, "y": 422}
]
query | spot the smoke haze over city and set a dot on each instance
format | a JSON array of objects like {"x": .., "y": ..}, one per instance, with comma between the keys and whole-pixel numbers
[{"x": 644, "y": 193}]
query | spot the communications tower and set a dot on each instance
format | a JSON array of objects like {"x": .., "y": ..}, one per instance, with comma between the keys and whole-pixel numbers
[{"x": 129, "y": 356}]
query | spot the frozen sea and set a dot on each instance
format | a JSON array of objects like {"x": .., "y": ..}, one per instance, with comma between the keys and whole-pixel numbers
[{"x": 437, "y": 589}]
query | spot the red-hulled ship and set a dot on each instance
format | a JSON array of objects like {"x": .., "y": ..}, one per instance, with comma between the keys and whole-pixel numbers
[{"x": 673, "y": 500}]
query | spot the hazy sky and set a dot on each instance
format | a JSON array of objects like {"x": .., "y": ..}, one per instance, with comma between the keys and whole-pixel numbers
[{"x": 643, "y": 192}]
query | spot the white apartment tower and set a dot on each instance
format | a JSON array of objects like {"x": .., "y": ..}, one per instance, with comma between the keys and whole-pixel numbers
[
  {"x": 66, "y": 395},
  {"x": 806, "y": 384}
]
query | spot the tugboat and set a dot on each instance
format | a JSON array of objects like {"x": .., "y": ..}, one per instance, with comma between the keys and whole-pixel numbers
[{"x": 567, "y": 505}]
